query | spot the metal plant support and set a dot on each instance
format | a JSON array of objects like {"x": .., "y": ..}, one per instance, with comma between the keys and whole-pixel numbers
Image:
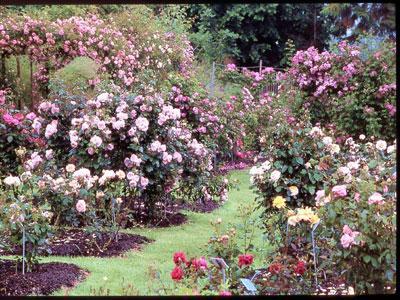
[
  {"x": 23, "y": 250},
  {"x": 313, "y": 248}
]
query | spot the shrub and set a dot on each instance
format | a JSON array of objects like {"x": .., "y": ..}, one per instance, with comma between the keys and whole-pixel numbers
[
  {"x": 356, "y": 92},
  {"x": 359, "y": 216}
]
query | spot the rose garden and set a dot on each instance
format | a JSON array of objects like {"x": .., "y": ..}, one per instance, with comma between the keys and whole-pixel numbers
[{"x": 120, "y": 174}]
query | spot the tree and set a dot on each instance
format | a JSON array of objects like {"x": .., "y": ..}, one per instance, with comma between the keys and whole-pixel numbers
[
  {"x": 360, "y": 18},
  {"x": 250, "y": 32}
]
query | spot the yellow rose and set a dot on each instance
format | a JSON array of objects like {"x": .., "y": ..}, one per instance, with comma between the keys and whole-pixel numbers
[
  {"x": 279, "y": 202},
  {"x": 293, "y": 220},
  {"x": 314, "y": 219}
]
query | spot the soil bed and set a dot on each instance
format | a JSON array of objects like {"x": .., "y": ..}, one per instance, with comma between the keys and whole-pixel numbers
[
  {"x": 75, "y": 242},
  {"x": 201, "y": 206},
  {"x": 44, "y": 279},
  {"x": 171, "y": 218}
]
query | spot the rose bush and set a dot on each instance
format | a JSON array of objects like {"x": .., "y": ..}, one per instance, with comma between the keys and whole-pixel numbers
[{"x": 358, "y": 209}]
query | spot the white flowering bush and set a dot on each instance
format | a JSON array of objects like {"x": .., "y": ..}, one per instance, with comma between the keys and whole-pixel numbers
[{"x": 21, "y": 210}]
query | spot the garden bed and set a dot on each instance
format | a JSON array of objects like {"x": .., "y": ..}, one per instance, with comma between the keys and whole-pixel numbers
[
  {"x": 75, "y": 242},
  {"x": 44, "y": 279}
]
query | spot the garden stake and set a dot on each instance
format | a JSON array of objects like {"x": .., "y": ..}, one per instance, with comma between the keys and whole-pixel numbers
[
  {"x": 23, "y": 250},
  {"x": 314, "y": 254}
]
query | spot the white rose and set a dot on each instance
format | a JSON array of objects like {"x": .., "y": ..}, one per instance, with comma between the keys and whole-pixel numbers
[
  {"x": 391, "y": 149},
  {"x": 327, "y": 140},
  {"x": 12, "y": 180},
  {"x": 275, "y": 175},
  {"x": 381, "y": 145}
]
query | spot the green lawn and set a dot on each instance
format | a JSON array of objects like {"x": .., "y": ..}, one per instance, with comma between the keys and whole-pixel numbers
[{"x": 133, "y": 266}]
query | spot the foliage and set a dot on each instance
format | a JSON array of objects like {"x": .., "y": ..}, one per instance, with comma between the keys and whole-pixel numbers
[
  {"x": 22, "y": 209},
  {"x": 354, "y": 92},
  {"x": 362, "y": 222},
  {"x": 250, "y": 32},
  {"x": 377, "y": 18}
]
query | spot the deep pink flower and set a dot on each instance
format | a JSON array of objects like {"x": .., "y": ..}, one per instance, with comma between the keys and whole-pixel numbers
[
  {"x": 177, "y": 274},
  {"x": 245, "y": 260},
  {"x": 179, "y": 257}
]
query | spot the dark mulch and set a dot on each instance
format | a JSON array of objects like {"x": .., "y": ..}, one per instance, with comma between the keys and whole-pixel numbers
[
  {"x": 75, "y": 242},
  {"x": 171, "y": 218},
  {"x": 201, "y": 206},
  {"x": 44, "y": 279}
]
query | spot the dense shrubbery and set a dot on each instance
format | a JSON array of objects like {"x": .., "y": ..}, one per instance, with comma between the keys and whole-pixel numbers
[{"x": 354, "y": 205}]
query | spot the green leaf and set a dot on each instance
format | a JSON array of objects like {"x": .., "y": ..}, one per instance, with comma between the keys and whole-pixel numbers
[
  {"x": 10, "y": 139},
  {"x": 372, "y": 164},
  {"x": 367, "y": 258}
]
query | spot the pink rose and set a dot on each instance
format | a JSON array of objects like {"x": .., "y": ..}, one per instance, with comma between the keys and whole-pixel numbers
[
  {"x": 339, "y": 191},
  {"x": 357, "y": 197},
  {"x": 81, "y": 206},
  {"x": 375, "y": 198},
  {"x": 346, "y": 241}
]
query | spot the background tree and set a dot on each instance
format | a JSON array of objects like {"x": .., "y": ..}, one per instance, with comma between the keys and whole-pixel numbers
[
  {"x": 361, "y": 18},
  {"x": 250, "y": 32}
]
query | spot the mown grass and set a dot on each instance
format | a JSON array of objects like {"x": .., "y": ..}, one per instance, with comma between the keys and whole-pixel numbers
[{"x": 133, "y": 266}]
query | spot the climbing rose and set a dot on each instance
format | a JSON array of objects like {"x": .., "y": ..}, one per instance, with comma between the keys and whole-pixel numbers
[
  {"x": 177, "y": 273},
  {"x": 179, "y": 257},
  {"x": 245, "y": 260}
]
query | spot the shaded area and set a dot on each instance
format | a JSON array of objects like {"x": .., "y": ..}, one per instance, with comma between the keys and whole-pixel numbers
[{"x": 76, "y": 242}]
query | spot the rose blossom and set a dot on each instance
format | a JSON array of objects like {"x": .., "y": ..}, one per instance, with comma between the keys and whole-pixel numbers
[
  {"x": 245, "y": 260},
  {"x": 96, "y": 140},
  {"x": 177, "y": 274},
  {"x": 381, "y": 145},
  {"x": 81, "y": 206},
  {"x": 339, "y": 191},
  {"x": 142, "y": 124},
  {"x": 376, "y": 198},
  {"x": 275, "y": 175},
  {"x": 70, "y": 168},
  {"x": 179, "y": 257}
]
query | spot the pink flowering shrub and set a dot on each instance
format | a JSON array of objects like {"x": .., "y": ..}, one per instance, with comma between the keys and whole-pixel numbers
[
  {"x": 154, "y": 140},
  {"x": 354, "y": 92},
  {"x": 357, "y": 209}
]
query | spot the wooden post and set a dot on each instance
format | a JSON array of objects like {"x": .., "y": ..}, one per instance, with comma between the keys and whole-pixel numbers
[
  {"x": 31, "y": 75},
  {"x": 211, "y": 93},
  {"x": 260, "y": 66}
]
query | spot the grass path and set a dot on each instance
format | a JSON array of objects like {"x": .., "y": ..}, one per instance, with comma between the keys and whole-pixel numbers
[{"x": 133, "y": 267}]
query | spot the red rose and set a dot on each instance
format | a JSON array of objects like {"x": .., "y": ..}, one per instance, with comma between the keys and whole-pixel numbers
[
  {"x": 179, "y": 257},
  {"x": 275, "y": 268},
  {"x": 300, "y": 267},
  {"x": 245, "y": 260},
  {"x": 177, "y": 273}
]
